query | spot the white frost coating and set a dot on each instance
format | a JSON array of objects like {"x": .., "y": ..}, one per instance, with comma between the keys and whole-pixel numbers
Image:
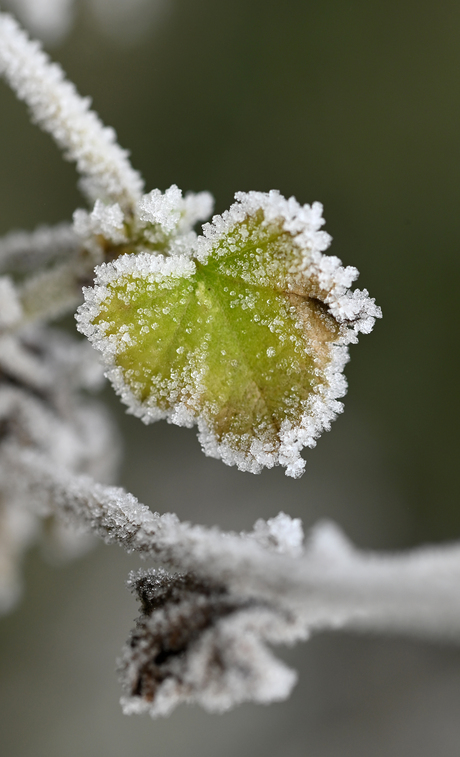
[
  {"x": 303, "y": 222},
  {"x": 10, "y": 305},
  {"x": 57, "y": 107},
  {"x": 308, "y": 274},
  {"x": 106, "y": 221},
  {"x": 328, "y": 584},
  {"x": 23, "y": 251},
  {"x": 321, "y": 409},
  {"x": 159, "y": 223},
  {"x": 41, "y": 373},
  {"x": 222, "y": 655},
  {"x": 201, "y": 627},
  {"x": 326, "y": 279},
  {"x": 159, "y": 216},
  {"x": 50, "y": 293},
  {"x": 323, "y": 406},
  {"x": 150, "y": 268},
  {"x": 283, "y": 533},
  {"x": 355, "y": 309},
  {"x": 49, "y": 20},
  {"x": 162, "y": 209}
]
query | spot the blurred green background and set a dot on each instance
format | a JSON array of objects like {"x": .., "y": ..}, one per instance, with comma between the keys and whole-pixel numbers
[{"x": 355, "y": 104}]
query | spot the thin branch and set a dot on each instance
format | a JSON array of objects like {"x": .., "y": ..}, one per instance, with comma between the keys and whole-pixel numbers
[
  {"x": 329, "y": 584},
  {"x": 57, "y": 107},
  {"x": 23, "y": 251},
  {"x": 50, "y": 294}
]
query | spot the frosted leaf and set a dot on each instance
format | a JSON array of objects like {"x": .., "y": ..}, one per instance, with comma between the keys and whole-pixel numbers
[
  {"x": 195, "y": 642},
  {"x": 245, "y": 337}
]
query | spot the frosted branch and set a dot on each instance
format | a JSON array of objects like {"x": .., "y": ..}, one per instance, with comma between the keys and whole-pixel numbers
[
  {"x": 22, "y": 251},
  {"x": 56, "y": 106},
  {"x": 42, "y": 412},
  {"x": 203, "y": 631},
  {"x": 329, "y": 580},
  {"x": 52, "y": 293}
]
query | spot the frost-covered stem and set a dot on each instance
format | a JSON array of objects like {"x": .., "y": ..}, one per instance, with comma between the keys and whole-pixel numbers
[
  {"x": 51, "y": 294},
  {"x": 23, "y": 251},
  {"x": 56, "y": 106},
  {"x": 328, "y": 584}
]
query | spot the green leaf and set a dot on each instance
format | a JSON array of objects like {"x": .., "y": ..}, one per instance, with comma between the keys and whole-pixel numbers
[{"x": 243, "y": 337}]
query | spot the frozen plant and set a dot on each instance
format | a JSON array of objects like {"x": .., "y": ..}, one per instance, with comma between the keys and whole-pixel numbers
[
  {"x": 51, "y": 20},
  {"x": 242, "y": 331}
]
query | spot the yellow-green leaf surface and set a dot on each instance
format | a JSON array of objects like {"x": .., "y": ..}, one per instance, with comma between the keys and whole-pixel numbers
[{"x": 234, "y": 338}]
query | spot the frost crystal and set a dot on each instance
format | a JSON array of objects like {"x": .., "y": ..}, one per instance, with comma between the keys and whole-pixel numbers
[{"x": 245, "y": 336}]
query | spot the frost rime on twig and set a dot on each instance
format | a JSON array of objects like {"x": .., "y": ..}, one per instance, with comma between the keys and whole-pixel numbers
[
  {"x": 22, "y": 251},
  {"x": 55, "y": 105},
  {"x": 41, "y": 413},
  {"x": 203, "y": 632}
]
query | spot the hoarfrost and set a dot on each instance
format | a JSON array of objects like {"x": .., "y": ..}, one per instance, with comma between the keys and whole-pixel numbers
[
  {"x": 22, "y": 251},
  {"x": 195, "y": 642},
  {"x": 41, "y": 373},
  {"x": 204, "y": 628},
  {"x": 266, "y": 244},
  {"x": 203, "y": 631},
  {"x": 56, "y": 106},
  {"x": 10, "y": 305},
  {"x": 169, "y": 218}
]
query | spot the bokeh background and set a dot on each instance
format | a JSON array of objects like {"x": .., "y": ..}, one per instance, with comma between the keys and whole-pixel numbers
[{"x": 356, "y": 104}]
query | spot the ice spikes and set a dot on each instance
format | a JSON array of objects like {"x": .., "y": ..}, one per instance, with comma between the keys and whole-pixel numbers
[{"x": 245, "y": 335}]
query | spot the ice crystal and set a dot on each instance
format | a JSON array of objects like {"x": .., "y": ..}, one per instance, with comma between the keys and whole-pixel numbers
[{"x": 244, "y": 336}]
